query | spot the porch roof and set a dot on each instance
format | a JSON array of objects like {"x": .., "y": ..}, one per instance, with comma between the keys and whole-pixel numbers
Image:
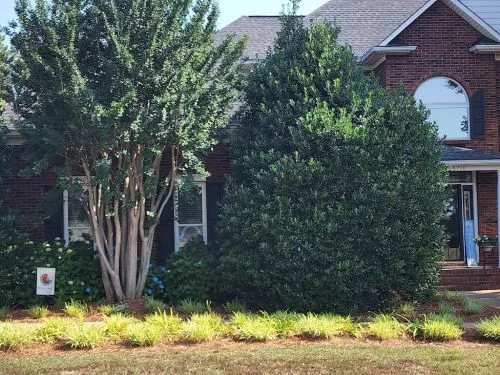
[{"x": 459, "y": 157}]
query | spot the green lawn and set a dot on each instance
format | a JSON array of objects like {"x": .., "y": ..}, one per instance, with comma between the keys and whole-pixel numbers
[{"x": 314, "y": 358}]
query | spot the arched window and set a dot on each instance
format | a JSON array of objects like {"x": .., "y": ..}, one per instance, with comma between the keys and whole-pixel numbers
[{"x": 448, "y": 103}]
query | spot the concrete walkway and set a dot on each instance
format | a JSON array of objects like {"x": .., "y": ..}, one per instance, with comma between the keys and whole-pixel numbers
[{"x": 490, "y": 297}]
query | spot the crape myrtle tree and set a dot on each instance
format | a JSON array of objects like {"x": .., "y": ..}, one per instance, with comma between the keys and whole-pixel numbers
[
  {"x": 108, "y": 89},
  {"x": 337, "y": 196}
]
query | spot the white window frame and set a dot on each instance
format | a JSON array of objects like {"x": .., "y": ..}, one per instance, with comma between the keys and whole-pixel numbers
[
  {"x": 201, "y": 182},
  {"x": 444, "y": 105},
  {"x": 66, "y": 226}
]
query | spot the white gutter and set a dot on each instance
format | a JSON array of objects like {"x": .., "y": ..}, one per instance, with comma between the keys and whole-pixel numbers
[
  {"x": 453, "y": 163},
  {"x": 485, "y": 48},
  {"x": 376, "y": 55}
]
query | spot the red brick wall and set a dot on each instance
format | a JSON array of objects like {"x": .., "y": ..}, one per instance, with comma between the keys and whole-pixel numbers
[
  {"x": 218, "y": 163},
  {"x": 443, "y": 40},
  {"x": 26, "y": 196},
  {"x": 487, "y": 208}
]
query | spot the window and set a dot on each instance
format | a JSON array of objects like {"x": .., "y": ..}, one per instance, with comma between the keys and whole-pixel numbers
[
  {"x": 448, "y": 103},
  {"x": 191, "y": 214},
  {"x": 76, "y": 221}
]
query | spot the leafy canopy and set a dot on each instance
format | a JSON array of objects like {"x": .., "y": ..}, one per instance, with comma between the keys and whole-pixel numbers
[
  {"x": 128, "y": 94},
  {"x": 338, "y": 191}
]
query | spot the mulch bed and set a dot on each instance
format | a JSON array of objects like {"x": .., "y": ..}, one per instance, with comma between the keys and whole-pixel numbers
[{"x": 431, "y": 307}]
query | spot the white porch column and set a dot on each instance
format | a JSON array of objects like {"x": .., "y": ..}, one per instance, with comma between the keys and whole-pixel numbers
[
  {"x": 66, "y": 217},
  {"x": 498, "y": 215}
]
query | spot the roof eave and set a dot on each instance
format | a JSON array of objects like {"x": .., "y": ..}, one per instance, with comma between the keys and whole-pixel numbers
[
  {"x": 376, "y": 55},
  {"x": 485, "y": 48}
]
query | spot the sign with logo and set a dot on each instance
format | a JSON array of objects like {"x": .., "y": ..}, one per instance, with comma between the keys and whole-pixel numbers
[{"x": 45, "y": 281}]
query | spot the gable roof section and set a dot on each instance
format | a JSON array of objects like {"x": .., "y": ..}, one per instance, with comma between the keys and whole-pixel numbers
[
  {"x": 466, "y": 12},
  {"x": 365, "y": 23},
  {"x": 261, "y": 32}
]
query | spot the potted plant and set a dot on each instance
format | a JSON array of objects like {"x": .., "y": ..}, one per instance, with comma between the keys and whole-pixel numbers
[{"x": 486, "y": 242}]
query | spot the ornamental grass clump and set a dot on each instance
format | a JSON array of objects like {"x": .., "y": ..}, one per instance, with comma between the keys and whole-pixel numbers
[
  {"x": 235, "y": 306},
  {"x": 406, "y": 309},
  {"x": 4, "y": 312},
  {"x": 441, "y": 327},
  {"x": 76, "y": 309},
  {"x": 451, "y": 296},
  {"x": 14, "y": 337},
  {"x": 473, "y": 306},
  {"x": 318, "y": 327},
  {"x": 38, "y": 312},
  {"x": 117, "y": 325},
  {"x": 202, "y": 327},
  {"x": 445, "y": 309},
  {"x": 385, "y": 327},
  {"x": 490, "y": 328},
  {"x": 190, "y": 306},
  {"x": 84, "y": 336},
  {"x": 249, "y": 327},
  {"x": 154, "y": 306},
  {"x": 53, "y": 329},
  {"x": 169, "y": 326},
  {"x": 143, "y": 334},
  {"x": 284, "y": 322}
]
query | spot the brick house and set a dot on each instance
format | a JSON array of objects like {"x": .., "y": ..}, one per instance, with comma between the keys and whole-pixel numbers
[{"x": 444, "y": 52}]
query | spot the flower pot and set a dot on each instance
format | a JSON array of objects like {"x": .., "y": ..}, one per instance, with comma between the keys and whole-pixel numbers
[{"x": 487, "y": 248}]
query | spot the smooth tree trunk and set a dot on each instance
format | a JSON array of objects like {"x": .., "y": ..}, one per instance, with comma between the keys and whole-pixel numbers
[{"x": 121, "y": 231}]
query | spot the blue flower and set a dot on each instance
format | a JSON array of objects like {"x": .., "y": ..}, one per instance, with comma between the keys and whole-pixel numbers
[
  {"x": 88, "y": 289},
  {"x": 149, "y": 292},
  {"x": 150, "y": 266},
  {"x": 155, "y": 279},
  {"x": 162, "y": 286},
  {"x": 163, "y": 269}
]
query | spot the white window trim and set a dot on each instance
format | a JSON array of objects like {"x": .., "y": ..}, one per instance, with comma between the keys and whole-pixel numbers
[
  {"x": 447, "y": 105},
  {"x": 66, "y": 226},
  {"x": 200, "y": 182}
]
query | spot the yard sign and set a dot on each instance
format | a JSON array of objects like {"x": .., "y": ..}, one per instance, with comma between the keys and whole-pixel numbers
[{"x": 45, "y": 281}]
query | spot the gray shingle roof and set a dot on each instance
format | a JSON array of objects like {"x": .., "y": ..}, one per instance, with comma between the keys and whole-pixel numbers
[
  {"x": 450, "y": 153},
  {"x": 364, "y": 23},
  {"x": 261, "y": 32},
  {"x": 488, "y": 10}
]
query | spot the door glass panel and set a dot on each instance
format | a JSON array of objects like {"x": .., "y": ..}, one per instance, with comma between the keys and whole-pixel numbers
[{"x": 453, "y": 224}]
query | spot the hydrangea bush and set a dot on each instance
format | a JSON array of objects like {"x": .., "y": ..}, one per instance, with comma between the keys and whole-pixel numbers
[
  {"x": 78, "y": 274},
  {"x": 186, "y": 274}
]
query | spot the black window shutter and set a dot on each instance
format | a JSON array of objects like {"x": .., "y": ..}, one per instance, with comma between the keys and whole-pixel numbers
[
  {"x": 477, "y": 118},
  {"x": 53, "y": 227},
  {"x": 165, "y": 240},
  {"x": 215, "y": 192}
]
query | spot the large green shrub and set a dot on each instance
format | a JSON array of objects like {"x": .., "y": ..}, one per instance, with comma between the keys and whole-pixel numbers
[
  {"x": 338, "y": 188},
  {"x": 78, "y": 274},
  {"x": 187, "y": 274}
]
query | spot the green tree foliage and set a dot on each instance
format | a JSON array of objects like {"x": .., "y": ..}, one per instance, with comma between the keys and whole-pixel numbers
[
  {"x": 338, "y": 191},
  {"x": 5, "y": 93},
  {"x": 109, "y": 89}
]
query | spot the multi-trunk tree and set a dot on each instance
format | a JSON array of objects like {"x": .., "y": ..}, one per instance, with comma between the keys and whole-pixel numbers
[{"x": 112, "y": 90}]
